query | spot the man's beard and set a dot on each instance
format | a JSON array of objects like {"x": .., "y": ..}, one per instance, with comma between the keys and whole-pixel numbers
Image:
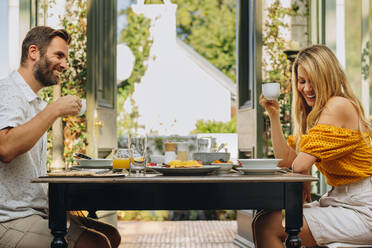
[{"x": 43, "y": 72}]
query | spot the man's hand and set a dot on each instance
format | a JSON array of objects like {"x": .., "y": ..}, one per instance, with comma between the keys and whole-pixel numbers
[{"x": 67, "y": 105}]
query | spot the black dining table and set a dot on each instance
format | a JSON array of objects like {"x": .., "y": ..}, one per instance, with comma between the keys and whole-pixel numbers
[{"x": 231, "y": 191}]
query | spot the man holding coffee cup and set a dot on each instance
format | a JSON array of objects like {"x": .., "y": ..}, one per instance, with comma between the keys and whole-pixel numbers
[{"x": 24, "y": 120}]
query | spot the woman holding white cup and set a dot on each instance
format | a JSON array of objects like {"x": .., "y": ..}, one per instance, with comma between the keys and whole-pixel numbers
[
  {"x": 268, "y": 99},
  {"x": 332, "y": 132}
]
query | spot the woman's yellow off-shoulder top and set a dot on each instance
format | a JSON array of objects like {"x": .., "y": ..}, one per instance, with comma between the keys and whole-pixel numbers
[{"x": 344, "y": 155}]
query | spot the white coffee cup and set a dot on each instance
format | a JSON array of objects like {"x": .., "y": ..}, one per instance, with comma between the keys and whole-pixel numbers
[
  {"x": 271, "y": 91},
  {"x": 83, "y": 107}
]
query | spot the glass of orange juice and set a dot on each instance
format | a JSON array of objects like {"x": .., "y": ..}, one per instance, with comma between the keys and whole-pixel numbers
[{"x": 121, "y": 159}]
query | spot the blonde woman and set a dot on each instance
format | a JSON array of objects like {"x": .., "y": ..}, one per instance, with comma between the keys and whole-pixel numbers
[{"x": 330, "y": 131}]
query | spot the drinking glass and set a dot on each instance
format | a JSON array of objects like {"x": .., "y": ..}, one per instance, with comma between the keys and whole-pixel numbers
[
  {"x": 138, "y": 155},
  {"x": 120, "y": 159}
]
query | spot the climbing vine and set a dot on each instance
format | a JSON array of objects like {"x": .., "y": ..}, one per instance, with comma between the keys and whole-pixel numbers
[
  {"x": 74, "y": 79},
  {"x": 136, "y": 35},
  {"x": 276, "y": 67}
]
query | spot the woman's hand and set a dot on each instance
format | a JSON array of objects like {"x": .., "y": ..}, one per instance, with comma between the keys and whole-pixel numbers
[{"x": 271, "y": 106}]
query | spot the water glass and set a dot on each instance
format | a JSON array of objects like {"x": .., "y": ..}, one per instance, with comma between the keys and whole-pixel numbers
[{"x": 138, "y": 155}]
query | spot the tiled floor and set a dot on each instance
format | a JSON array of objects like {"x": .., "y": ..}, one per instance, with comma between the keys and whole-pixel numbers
[{"x": 177, "y": 234}]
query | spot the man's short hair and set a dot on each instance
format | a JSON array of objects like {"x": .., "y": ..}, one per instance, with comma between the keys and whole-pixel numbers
[{"x": 41, "y": 36}]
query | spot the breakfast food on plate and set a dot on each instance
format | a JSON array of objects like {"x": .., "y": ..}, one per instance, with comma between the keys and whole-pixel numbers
[
  {"x": 71, "y": 173},
  {"x": 179, "y": 164},
  {"x": 221, "y": 161},
  {"x": 184, "y": 164}
]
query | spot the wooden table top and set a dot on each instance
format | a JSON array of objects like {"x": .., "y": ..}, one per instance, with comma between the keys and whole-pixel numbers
[{"x": 151, "y": 178}]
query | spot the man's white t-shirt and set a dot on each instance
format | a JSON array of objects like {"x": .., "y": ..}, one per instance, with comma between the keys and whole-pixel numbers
[{"x": 18, "y": 197}]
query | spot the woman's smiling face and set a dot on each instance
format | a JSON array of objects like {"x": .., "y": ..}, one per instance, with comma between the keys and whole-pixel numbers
[{"x": 304, "y": 87}]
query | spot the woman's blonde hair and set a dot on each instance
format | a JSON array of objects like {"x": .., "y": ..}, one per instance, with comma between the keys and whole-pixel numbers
[{"x": 327, "y": 80}]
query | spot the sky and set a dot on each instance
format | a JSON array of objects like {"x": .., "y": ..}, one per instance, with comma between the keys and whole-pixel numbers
[{"x": 122, "y": 20}]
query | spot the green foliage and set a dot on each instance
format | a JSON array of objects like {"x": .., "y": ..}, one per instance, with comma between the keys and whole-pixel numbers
[
  {"x": 136, "y": 35},
  {"x": 226, "y": 214},
  {"x": 215, "y": 126},
  {"x": 159, "y": 144},
  {"x": 209, "y": 27},
  {"x": 74, "y": 80},
  {"x": 276, "y": 67},
  {"x": 153, "y": 1},
  {"x": 274, "y": 44},
  {"x": 47, "y": 93},
  {"x": 158, "y": 215},
  {"x": 162, "y": 215},
  {"x": 354, "y": 43}
]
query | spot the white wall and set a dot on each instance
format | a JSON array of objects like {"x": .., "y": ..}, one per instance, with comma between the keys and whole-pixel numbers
[
  {"x": 13, "y": 35},
  {"x": 4, "y": 67},
  {"x": 175, "y": 92}
]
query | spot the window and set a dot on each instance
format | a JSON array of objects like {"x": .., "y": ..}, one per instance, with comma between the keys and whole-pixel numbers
[{"x": 246, "y": 22}]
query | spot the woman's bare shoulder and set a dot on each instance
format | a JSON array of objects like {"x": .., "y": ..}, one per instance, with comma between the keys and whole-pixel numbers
[
  {"x": 339, "y": 103},
  {"x": 340, "y": 112}
]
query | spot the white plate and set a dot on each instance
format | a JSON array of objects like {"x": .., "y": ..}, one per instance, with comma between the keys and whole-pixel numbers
[
  {"x": 260, "y": 163},
  {"x": 95, "y": 163},
  {"x": 96, "y": 170},
  {"x": 259, "y": 170},
  {"x": 197, "y": 171}
]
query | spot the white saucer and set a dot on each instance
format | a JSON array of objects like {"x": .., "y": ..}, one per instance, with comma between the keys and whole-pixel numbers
[
  {"x": 260, "y": 163},
  {"x": 259, "y": 170}
]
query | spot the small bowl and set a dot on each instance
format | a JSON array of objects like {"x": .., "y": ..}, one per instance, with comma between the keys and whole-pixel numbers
[
  {"x": 224, "y": 167},
  {"x": 260, "y": 163},
  {"x": 209, "y": 157}
]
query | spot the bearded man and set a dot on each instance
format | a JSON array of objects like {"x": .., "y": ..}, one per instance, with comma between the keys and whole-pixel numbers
[{"x": 24, "y": 120}]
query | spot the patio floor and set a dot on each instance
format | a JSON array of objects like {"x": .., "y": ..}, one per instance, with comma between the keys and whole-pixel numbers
[{"x": 177, "y": 234}]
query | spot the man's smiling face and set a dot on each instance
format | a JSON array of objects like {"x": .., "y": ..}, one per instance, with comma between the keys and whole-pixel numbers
[{"x": 48, "y": 68}]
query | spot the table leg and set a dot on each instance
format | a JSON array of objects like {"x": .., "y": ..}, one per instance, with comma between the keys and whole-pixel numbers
[
  {"x": 293, "y": 213},
  {"x": 57, "y": 215},
  {"x": 59, "y": 239}
]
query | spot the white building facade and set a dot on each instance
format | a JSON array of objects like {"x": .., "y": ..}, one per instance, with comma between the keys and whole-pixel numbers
[{"x": 179, "y": 86}]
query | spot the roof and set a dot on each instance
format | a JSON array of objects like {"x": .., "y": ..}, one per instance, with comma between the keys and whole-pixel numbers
[{"x": 204, "y": 64}]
